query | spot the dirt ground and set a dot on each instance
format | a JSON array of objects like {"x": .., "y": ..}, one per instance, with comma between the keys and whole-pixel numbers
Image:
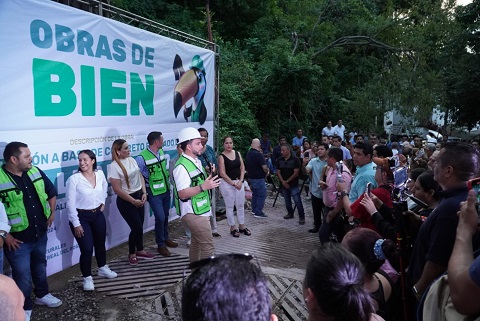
[{"x": 96, "y": 306}]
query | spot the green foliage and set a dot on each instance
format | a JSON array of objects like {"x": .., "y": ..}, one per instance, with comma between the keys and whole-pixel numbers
[
  {"x": 236, "y": 118},
  {"x": 297, "y": 64},
  {"x": 461, "y": 61}
]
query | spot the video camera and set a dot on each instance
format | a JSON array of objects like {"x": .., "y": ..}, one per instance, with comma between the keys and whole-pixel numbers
[{"x": 400, "y": 178}]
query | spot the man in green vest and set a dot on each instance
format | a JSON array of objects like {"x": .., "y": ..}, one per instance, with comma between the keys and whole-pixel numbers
[
  {"x": 192, "y": 197},
  {"x": 152, "y": 163},
  {"x": 29, "y": 198}
]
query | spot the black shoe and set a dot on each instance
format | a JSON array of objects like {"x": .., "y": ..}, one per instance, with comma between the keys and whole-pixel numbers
[
  {"x": 301, "y": 221},
  {"x": 313, "y": 230},
  {"x": 288, "y": 216}
]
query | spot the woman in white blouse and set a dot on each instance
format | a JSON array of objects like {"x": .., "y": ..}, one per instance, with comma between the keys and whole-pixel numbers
[
  {"x": 127, "y": 182},
  {"x": 86, "y": 194}
]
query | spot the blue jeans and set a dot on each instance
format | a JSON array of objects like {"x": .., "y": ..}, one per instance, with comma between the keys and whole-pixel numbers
[
  {"x": 94, "y": 235},
  {"x": 259, "y": 194},
  {"x": 288, "y": 194},
  {"x": 160, "y": 205},
  {"x": 30, "y": 264}
]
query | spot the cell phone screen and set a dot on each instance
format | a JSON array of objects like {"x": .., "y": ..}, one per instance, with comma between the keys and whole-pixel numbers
[{"x": 475, "y": 185}]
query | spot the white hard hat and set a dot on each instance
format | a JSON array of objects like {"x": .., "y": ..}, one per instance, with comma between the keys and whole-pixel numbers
[{"x": 187, "y": 134}]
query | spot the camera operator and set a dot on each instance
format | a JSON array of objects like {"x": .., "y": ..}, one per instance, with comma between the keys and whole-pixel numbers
[
  {"x": 456, "y": 164},
  {"x": 428, "y": 191}
]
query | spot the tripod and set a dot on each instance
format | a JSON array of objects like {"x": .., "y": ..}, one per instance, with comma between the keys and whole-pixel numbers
[{"x": 280, "y": 189}]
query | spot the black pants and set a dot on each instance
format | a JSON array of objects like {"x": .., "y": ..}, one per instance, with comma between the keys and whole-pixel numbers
[
  {"x": 94, "y": 235},
  {"x": 317, "y": 207},
  {"x": 134, "y": 216},
  {"x": 336, "y": 226}
]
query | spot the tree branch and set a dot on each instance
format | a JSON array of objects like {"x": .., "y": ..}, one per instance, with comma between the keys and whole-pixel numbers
[{"x": 370, "y": 42}]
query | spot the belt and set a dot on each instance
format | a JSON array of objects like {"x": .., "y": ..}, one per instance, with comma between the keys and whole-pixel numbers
[{"x": 79, "y": 210}]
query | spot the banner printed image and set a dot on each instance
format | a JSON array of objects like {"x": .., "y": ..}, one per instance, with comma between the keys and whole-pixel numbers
[{"x": 191, "y": 85}]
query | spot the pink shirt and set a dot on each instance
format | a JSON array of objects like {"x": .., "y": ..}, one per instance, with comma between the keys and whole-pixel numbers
[{"x": 330, "y": 193}]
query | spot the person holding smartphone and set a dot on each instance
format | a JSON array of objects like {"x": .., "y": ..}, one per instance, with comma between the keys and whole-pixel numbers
[
  {"x": 456, "y": 164},
  {"x": 210, "y": 163},
  {"x": 464, "y": 279}
]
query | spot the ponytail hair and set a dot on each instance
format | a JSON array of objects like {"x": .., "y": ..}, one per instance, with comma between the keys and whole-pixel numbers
[
  {"x": 370, "y": 248},
  {"x": 116, "y": 146},
  {"x": 336, "y": 277}
]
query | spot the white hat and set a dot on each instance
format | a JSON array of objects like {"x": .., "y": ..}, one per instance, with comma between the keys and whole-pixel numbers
[{"x": 187, "y": 134}]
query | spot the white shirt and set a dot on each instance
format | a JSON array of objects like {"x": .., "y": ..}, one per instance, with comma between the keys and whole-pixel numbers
[
  {"x": 339, "y": 131},
  {"x": 82, "y": 195},
  {"x": 328, "y": 131},
  {"x": 133, "y": 172},
  {"x": 183, "y": 181},
  {"x": 3, "y": 219}
]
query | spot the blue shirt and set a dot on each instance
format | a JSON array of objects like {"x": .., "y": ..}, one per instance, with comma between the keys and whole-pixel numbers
[
  {"x": 316, "y": 165},
  {"x": 364, "y": 175},
  {"x": 143, "y": 167},
  {"x": 266, "y": 146},
  {"x": 208, "y": 157},
  {"x": 298, "y": 141},
  {"x": 346, "y": 152}
]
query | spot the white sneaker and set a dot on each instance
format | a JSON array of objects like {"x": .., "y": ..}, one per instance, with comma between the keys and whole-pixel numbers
[
  {"x": 189, "y": 242},
  {"x": 105, "y": 272},
  {"x": 49, "y": 300},
  {"x": 88, "y": 284},
  {"x": 28, "y": 315}
]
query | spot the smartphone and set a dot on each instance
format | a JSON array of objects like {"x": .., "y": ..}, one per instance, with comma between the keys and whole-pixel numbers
[
  {"x": 475, "y": 185},
  {"x": 369, "y": 189},
  {"x": 213, "y": 169},
  {"x": 339, "y": 171},
  {"x": 306, "y": 155}
]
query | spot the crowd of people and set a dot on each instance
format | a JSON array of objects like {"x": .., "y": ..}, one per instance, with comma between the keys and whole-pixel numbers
[
  {"x": 387, "y": 240},
  {"x": 384, "y": 243}
]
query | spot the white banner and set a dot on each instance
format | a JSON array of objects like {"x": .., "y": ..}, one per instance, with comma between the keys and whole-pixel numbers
[{"x": 72, "y": 80}]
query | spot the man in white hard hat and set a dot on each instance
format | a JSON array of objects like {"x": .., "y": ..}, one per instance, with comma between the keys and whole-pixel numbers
[{"x": 192, "y": 198}]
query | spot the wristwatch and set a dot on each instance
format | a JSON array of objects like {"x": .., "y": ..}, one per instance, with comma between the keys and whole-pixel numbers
[
  {"x": 343, "y": 194},
  {"x": 3, "y": 234},
  {"x": 415, "y": 291}
]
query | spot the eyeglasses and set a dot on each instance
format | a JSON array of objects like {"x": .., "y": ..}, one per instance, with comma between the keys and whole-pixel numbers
[{"x": 212, "y": 259}]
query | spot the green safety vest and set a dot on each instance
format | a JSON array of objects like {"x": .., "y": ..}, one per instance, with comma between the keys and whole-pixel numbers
[
  {"x": 12, "y": 197},
  {"x": 157, "y": 169},
  {"x": 201, "y": 201}
]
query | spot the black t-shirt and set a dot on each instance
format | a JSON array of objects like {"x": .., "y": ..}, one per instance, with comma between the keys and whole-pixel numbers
[
  {"x": 437, "y": 234},
  {"x": 232, "y": 167},
  {"x": 287, "y": 167},
  {"x": 254, "y": 163}
]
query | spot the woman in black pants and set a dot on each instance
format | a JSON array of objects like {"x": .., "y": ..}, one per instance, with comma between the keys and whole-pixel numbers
[
  {"x": 86, "y": 194},
  {"x": 127, "y": 182}
]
